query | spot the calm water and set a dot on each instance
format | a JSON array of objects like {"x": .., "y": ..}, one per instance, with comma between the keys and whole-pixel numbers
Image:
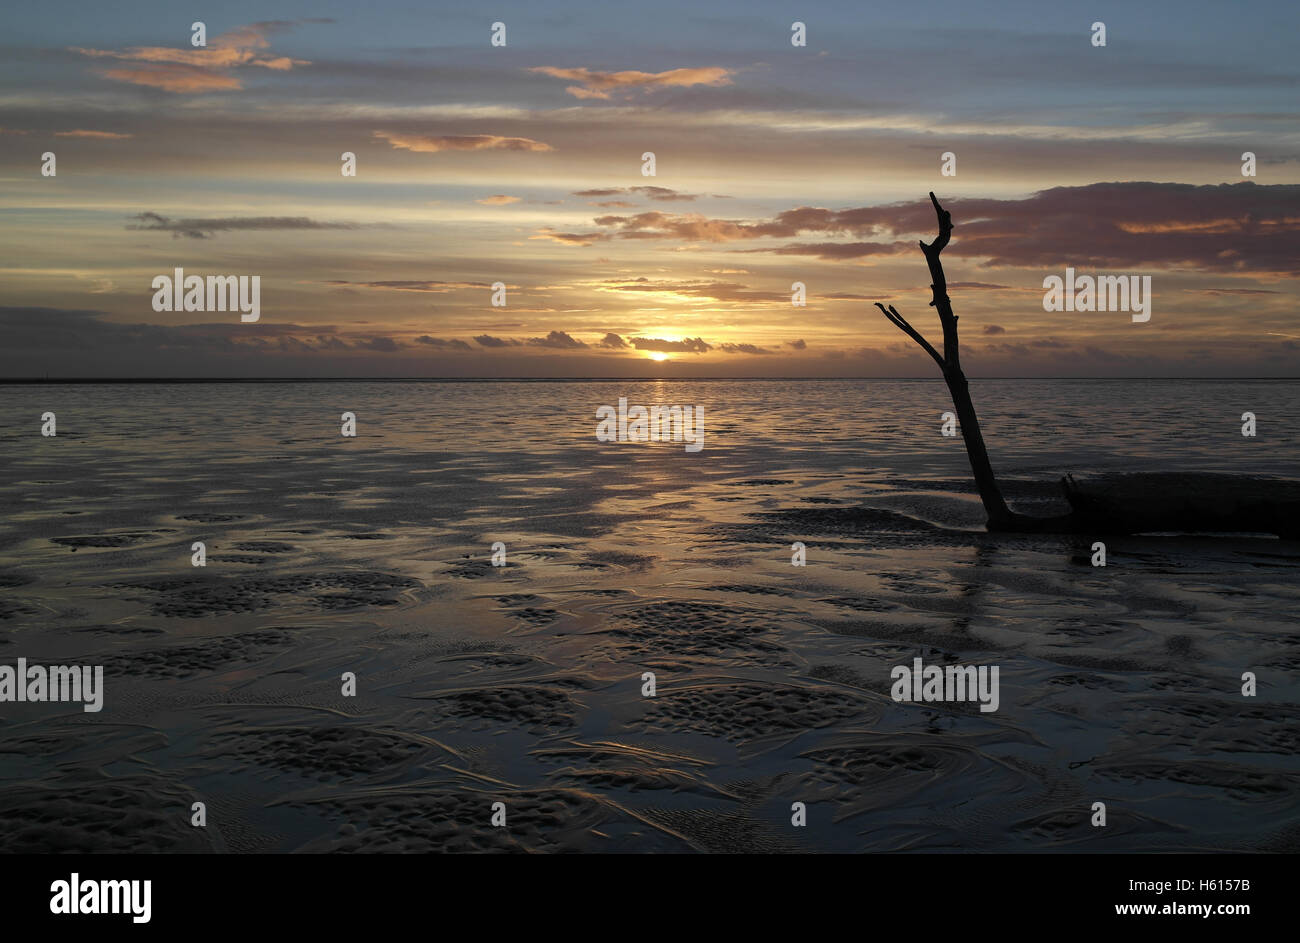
[
  {"x": 839, "y": 423},
  {"x": 523, "y": 683}
]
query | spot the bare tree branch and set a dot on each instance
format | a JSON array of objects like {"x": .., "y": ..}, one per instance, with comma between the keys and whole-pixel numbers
[
  {"x": 898, "y": 320},
  {"x": 945, "y": 228},
  {"x": 939, "y": 285},
  {"x": 949, "y": 361}
]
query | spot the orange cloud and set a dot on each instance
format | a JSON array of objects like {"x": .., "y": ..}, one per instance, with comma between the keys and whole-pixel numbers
[
  {"x": 599, "y": 84},
  {"x": 105, "y": 135},
  {"x": 174, "y": 78},
  {"x": 569, "y": 238},
  {"x": 431, "y": 144},
  {"x": 408, "y": 285},
  {"x": 499, "y": 199},
  {"x": 197, "y": 69}
]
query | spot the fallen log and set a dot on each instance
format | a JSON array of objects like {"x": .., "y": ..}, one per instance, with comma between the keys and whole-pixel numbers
[{"x": 1185, "y": 503}]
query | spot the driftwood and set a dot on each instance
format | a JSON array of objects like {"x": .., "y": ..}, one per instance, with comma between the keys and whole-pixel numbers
[
  {"x": 1185, "y": 503},
  {"x": 1124, "y": 504}
]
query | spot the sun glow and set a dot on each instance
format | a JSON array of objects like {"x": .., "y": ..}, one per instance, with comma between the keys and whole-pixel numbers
[{"x": 658, "y": 355}]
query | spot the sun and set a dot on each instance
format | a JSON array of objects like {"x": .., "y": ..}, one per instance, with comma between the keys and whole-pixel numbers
[{"x": 659, "y": 355}]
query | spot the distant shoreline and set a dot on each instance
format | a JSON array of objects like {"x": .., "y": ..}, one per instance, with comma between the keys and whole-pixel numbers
[{"x": 52, "y": 381}]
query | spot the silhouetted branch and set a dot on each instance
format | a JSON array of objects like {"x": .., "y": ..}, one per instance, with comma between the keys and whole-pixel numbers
[
  {"x": 949, "y": 361},
  {"x": 911, "y": 332},
  {"x": 945, "y": 228},
  {"x": 939, "y": 286}
]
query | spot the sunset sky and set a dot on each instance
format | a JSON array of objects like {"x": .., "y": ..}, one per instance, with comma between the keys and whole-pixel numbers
[{"x": 522, "y": 165}]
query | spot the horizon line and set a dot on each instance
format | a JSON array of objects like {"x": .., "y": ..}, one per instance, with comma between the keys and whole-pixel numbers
[{"x": 38, "y": 381}]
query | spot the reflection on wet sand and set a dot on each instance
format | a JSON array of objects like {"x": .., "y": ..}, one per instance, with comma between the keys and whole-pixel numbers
[{"x": 523, "y": 683}]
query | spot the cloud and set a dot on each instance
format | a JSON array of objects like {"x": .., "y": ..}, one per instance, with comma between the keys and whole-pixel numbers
[
  {"x": 104, "y": 135},
  {"x": 198, "y": 69},
  {"x": 1242, "y": 227},
  {"x": 487, "y": 340},
  {"x": 691, "y": 227},
  {"x": 442, "y": 344},
  {"x": 593, "y": 84},
  {"x": 76, "y": 133},
  {"x": 570, "y": 238},
  {"x": 696, "y": 227},
  {"x": 717, "y": 291},
  {"x": 663, "y": 194},
  {"x": 203, "y": 228},
  {"x": 693, "y": 345},
  {"x": 181, "y": 79},
  {"x": 59, "y": 333},
  {"x": 557, "y": 340},
  {"x": 612, "y": 341},
  {"x": 797, "y": 345},
  {"x": 743, "y": 349},
  {"x": 407, "y": 285},
  {"x": 499, "y": 199},
  {"x": 834, "y": 251},
  {"x": 432, "y": 144},
  {"x": 1012, "y": 350},
  {"x": 994, "y": 329},
  {"x": 1225, "y": 227}
]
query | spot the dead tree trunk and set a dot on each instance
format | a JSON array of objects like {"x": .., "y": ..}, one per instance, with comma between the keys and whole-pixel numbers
[
  {"x": 1131, "y": 504},
  {"x": 1000, "y": 516}
]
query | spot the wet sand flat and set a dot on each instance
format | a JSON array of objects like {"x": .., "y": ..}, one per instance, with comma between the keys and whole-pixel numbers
[{"x": 522, "y": 683}]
